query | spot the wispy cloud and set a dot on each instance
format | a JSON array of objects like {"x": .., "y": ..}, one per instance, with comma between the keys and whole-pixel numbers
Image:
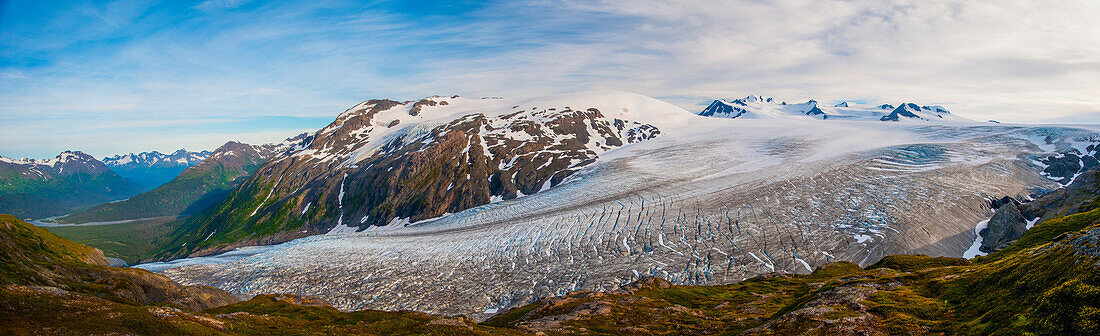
[
  {"x": 124, "y": 61},
  {"x": 210, "y": 5}
]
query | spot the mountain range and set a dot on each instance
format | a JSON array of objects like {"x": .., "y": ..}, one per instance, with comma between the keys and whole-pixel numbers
[
  {"x": 757, "y": 107},
  {"x": 151, "y": 169},
  {"x": 384, "y": 162},
  {"x": 195, "y": 189},
  {"x": 40, "y": 188}
]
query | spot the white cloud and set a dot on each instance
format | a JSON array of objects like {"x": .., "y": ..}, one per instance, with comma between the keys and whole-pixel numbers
[
  {"x": 1014, "y": 61},
  {"x": 210, "y": 5},
  {"x": 1021, "y": 61}
]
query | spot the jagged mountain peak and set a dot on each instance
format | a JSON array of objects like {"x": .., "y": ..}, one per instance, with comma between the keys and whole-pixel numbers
[
  {"x": 265, "y": 151},
  {"x": 72, "y": 155}
]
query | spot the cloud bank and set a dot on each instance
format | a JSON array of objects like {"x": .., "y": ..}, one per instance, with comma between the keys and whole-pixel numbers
[{"x": 135, "y": 75}]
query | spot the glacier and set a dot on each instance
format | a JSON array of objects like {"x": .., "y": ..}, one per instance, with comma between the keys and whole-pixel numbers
[{"x": 709, "y": 201}]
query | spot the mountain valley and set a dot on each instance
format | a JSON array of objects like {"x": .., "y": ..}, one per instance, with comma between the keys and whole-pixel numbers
[
  {"x": 500, "y": 210},
  {"x": 693, "y": 199}
]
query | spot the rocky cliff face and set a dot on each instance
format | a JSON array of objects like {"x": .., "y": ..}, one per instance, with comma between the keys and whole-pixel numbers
[{"x": 1079, "y": 196}]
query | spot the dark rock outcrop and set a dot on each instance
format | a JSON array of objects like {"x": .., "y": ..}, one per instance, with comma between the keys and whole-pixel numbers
[
  {"x": 997, "y": 203},
  {"x": 816, "y": 111},
  {"x": 1062, "y": 168},
  {"x": 1006, "y": 226},
  {"x": 1079, "y": 196},
  {"x": 1068, "y": 163}
]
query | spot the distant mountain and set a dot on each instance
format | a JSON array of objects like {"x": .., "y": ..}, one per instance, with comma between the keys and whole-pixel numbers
[
  {"x": 151, "y": 169},
  {"x": 758, "y": 107},
  {"x": 912, "y": 111},
  {"x": 42, "y": 188},
  {"x": 195, "y": 189}
]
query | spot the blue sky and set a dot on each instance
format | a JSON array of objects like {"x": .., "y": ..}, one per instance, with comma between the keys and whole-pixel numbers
[{"x": 128, "y": 76}]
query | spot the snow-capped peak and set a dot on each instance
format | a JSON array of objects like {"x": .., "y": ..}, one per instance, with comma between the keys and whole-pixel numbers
[
  {"x": 364, "y": 128},
  {"x": 914, "y": 111},
  {"x": 179, "y": 157},
  {"x": 758, "y": 107}
]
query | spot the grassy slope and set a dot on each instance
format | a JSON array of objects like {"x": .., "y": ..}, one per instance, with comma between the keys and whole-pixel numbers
[
  {"x": 29, "y": 251},
  {"x": 235, "y": 227},
  {"x": 29, "y": 311},
  {"x": 270, "y": 314}
]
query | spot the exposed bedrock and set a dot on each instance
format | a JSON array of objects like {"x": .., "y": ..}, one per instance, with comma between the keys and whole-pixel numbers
[
  {"x": 1063, "y": 168},
  {"x": 1006, "y": 226}
]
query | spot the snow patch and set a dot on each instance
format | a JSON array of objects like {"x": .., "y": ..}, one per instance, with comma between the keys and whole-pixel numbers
[{"x": 974, "y": 251}]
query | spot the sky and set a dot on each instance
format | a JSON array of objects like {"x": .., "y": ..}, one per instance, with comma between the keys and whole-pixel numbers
[{"x": 109, "y": 77}]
